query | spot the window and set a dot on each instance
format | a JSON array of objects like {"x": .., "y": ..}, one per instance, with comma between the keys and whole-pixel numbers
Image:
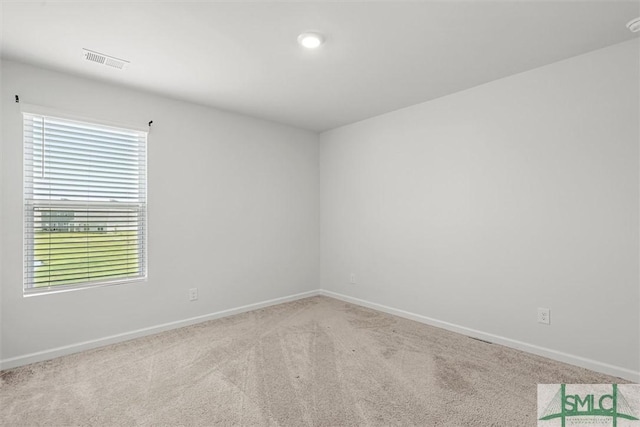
[{"x": 84, "y": 204}]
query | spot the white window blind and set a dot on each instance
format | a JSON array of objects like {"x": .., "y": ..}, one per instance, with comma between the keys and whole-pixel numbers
[{"x": 84, "y": 203}]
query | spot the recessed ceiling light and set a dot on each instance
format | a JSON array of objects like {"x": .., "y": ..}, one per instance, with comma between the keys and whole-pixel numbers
[
  {"x": 634, "y": 25},
  {"x": 311, "y": 40}
]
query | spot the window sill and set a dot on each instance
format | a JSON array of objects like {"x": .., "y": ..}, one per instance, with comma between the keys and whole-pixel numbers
[{"x": 48, "y": 290}]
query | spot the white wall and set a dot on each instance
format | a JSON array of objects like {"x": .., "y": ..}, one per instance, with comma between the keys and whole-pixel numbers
[
  {"x": 233, "y": 210},
  {"x": 479, "y": 207},
  {"x": 2, "y": 237}
]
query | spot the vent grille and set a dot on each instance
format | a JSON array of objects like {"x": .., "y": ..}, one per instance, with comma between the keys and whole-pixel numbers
[
  {"x": 103, "y": 59},
  {"x": 478, "y": 339},
  {"x": 114, "y": 63}
]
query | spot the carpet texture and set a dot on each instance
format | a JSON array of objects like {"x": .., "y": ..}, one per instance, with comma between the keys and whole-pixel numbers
[{"x": 312, "y": 362}]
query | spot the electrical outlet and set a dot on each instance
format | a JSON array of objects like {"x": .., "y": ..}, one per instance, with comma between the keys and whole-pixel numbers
[
  {"x": 193, "y": 294},
  {"x": 544, "y": 315},
  {"x": 352, "y": 278}
]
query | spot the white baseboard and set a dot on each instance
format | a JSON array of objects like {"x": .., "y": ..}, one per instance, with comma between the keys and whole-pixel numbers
[
  {"x": 112, "y": 339},
  {"x": 594, "y": 365},
  {"x": 507, "y": 342}
]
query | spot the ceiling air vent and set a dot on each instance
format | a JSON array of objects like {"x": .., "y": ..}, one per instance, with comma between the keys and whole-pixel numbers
[{"x": 103, "y": 59}]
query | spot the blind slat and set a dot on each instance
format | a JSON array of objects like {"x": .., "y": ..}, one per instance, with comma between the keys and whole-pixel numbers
[
  {"x": 59, "y": 170},
  {"x": 62, "y": 270},
  {"x": 92, "y": 133},
  {"x": 85, "y": 278},
  {"x": 104, "y": 256}
]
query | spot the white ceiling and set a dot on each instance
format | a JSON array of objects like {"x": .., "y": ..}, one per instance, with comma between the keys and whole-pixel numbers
[{"x": 243, "y": 56}]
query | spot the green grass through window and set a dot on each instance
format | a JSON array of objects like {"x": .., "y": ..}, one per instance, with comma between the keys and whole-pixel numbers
[{"x": 79, "y": 257}]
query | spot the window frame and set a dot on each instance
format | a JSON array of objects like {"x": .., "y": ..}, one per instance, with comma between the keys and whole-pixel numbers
[{"x": 30, "y": 204}]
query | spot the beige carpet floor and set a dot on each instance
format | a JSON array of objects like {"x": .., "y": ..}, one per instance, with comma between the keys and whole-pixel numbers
[{"x": 312, "y": 362}]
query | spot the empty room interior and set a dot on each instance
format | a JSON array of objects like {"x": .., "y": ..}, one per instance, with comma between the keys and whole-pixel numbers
[{"x": 318, "y": 213}]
